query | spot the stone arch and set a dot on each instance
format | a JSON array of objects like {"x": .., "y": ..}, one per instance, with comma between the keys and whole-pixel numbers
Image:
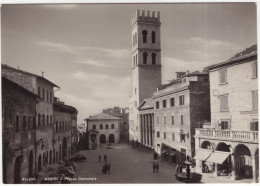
[
  {"x": 64, "y": 148},
  {"x": 243, "y": 161},
  {"x": 144, "y": 33},
  {"x": 40, "y": 163},
  {"x": 102, "y": 138},
  {"x": 111, "y": 138},
  {"x": 17, "y": 169},
  {"x": 145, "y": 55},
  {"x": 223, "y": 147},
  {"x": 30, "y": 164},
  {"x": 153, "y": 37},
  {"x": 206, "y": 145}
]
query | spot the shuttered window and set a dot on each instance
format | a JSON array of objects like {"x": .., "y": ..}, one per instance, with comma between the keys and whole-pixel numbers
[
  {"x": 158, "y": 134},
  {"x": 164, "y": 103},
  {"x": 223, "y": 102},
  {"x": 255, "y": 100},
  {"x": 172, "y": 102},
  {"x": 254, "y": 69},
  {"x": 173, "y": 136},
  {"x": 254, "y": 126},
  {"x": 157, "y": 105},
  {"x": 225, "y": 125},
  {"x": 181, "y": 100},
  {"x": 223, "y": 75},
  {"x": 172, "y": 119},
  {"x": 164, "y": 135}
]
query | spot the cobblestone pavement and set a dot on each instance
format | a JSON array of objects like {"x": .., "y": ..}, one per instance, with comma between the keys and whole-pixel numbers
[{"x": 128, "y": 165}]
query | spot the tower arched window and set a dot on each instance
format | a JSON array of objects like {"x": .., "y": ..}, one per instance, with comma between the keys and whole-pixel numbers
[
  {"x": 144, "y": 32},
  {"x": 17, "y": 123},
  {"x": 106, "y": 126},
  {"x": 112, "y": 126},
  {"x": 24, "y": 123},
  {"x": 153, "y": 37},
  {"x": 94, "y": 127},
  {"x": 145, "y": 57},
  {"x": 153, "y": 58},
  {"x": 100, "y": 126}
]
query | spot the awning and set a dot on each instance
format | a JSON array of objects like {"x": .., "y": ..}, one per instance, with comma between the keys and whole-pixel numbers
[
  {"x": 164, "y": 151},
  {"x": 202, "y": 155},
  {"x": 172, "y": 153},
  {"x": 218, "y": 157}
]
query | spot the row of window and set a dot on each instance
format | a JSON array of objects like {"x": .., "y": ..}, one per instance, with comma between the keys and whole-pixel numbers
[
  {"x": 182, "y": 138},
  {"x": 144, "y": 34},
  {"x": 145, "y": 57},
  {"x": 62, "y": 126},
  {"x": 172, "y": 119},
  {"x": 172, "y": 102},
  {"x": 223, "y": 73},
  {"x": 28, "y": 123},
  {"x": 44, "y": 120},
  {"x": 101, "y": 126},
  {"x": 223, "y": 100},
  {"x": 41, "y": 93}
]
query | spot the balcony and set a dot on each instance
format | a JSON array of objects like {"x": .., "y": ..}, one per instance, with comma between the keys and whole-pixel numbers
[{"x": 228, "y": 135}]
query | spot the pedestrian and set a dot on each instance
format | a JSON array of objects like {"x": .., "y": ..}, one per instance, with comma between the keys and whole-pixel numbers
[
  {"x": 153, "y": 166},
  {"x": 105, "y": 157},
  {"x": 104, "y": 170},
  {"x": 108, "y": 168},
  {"x": 180, "y": 169},
  {"x": 99, "y": 158},
  {"x": 177, "y": 169},
  {"x": 157, "y": 167}
]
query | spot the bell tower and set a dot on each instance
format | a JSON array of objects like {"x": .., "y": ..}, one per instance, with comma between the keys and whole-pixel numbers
[{"x": 146, "y": 63}]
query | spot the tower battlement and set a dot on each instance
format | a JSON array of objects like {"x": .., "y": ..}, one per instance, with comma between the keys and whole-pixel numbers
[{"x": 146, "y": 15}]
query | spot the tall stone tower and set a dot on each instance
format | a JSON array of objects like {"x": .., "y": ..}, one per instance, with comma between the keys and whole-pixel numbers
[{"x": 146, "y": 63}]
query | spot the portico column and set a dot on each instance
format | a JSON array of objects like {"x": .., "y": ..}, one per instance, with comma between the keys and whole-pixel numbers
[
  {"x": 151, "y": 130},
  {"x": 216, "y": 169},
  {"x": 148, "y": 130},
  {"x": 254, "y": 170},
  {"x": 145, "y": 129},
  {"x": 140, "y": 121},
  {"x": 233, "y": 173}
]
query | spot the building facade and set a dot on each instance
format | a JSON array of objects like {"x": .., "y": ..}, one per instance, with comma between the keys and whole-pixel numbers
[
  {"x": 103, "y": 129},
  {"x": 19, "y": 132},
  {"x": 146, "y": 64},
  {"x": 122, "y": 113},
  {"x": 179, "y": 108},
  {"x": 34, "y": 122},
  {"x": 64, "y": 144},
  {"x": 229, "y": 145}
]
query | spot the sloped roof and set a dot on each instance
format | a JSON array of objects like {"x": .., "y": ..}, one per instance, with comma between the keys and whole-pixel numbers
[
  {"x": 146, "y": 104},
  {"x": 103, "y": 116},
  {"x": 248, "y": 52},
  {"x": 4, "y": 79},
  {"x": 4, "y": 66},
  {"x": 64, "y": 108}
]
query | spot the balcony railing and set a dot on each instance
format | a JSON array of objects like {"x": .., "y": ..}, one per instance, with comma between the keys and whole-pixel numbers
[{"x": 228, "y": 134}]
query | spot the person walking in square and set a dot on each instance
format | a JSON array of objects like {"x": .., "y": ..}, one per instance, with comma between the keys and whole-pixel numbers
[
  {"x": 108, "y": 168},
  {"x": 157, "y": 167},
  {"x": 153, "y": 166}
]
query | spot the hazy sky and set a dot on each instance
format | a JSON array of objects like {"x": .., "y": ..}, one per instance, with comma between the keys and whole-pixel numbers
[{"x": 86, "y": 48}]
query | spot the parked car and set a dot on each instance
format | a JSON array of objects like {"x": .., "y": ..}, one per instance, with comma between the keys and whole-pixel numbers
[
  {"x": 109, "y": 146},
  {"x": 66, "y": 172},
  {"x": 71, "y": 163},
  {"x": 78, "y": 158},
  {"x": 66, "y": 167}
]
